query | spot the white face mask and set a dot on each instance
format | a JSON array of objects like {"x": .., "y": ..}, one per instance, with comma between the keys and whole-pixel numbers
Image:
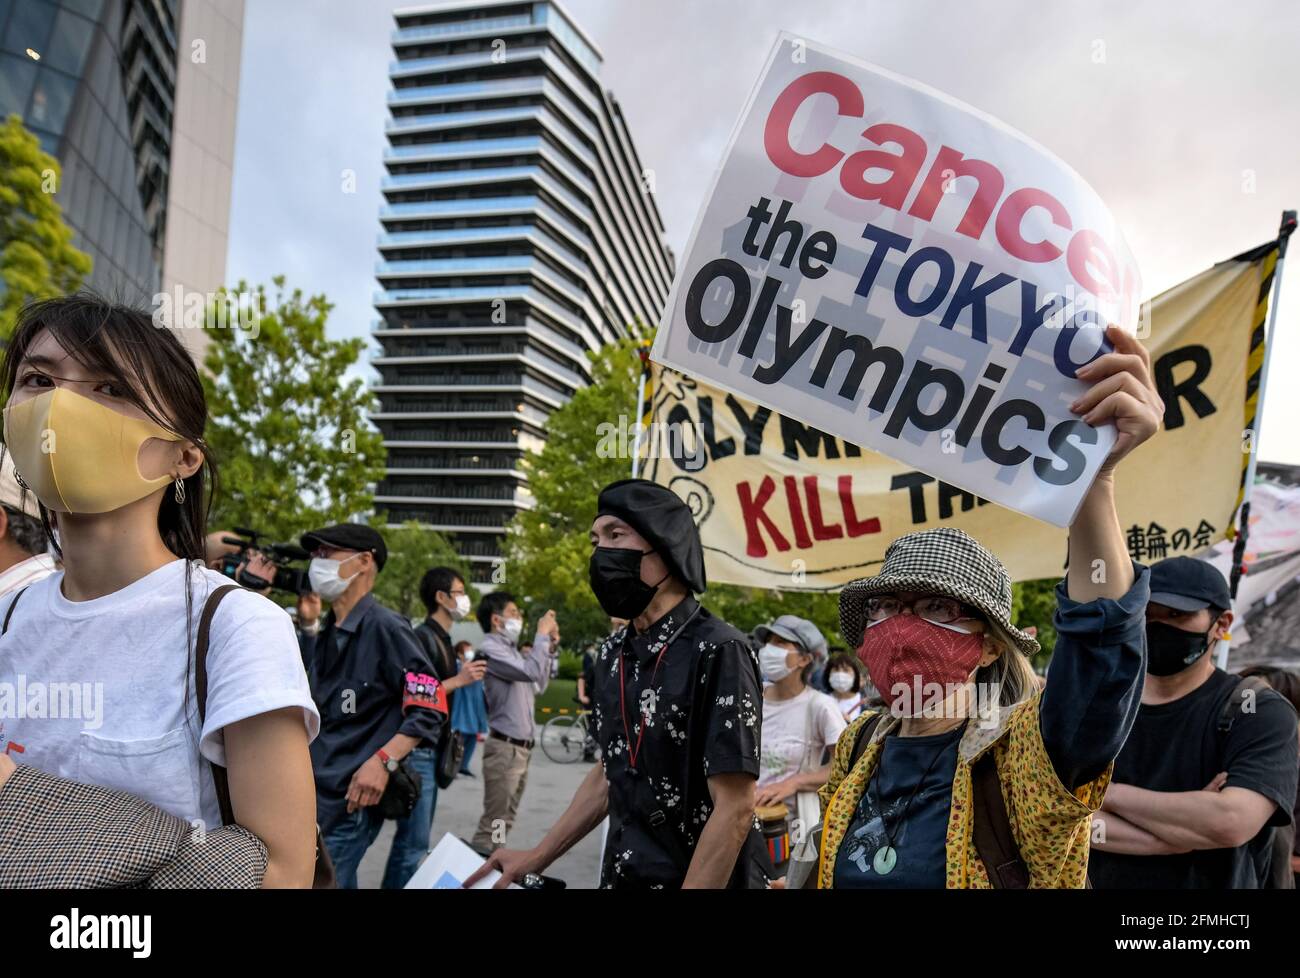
[
  {"x": 323, "y": 573},
  {"x": 512, "y": 627},
  {"x": 462, "y": 607},
  {"x": 841, "y": 681},
  {"x": 771, "y": 659}
]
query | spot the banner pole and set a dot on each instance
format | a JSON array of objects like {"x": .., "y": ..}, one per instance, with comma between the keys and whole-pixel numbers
[
  {"x": 1287, "y": 226},
  {"x": 644, "y": 354}
]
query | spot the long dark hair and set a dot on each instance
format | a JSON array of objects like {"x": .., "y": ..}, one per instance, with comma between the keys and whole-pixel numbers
[{"x": 151, "y": 367}]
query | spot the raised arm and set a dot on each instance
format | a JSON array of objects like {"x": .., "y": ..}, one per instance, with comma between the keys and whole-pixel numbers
[{"x": 1124, "y": 394}]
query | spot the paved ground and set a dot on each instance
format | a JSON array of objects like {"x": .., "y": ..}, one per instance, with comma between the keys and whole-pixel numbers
[{"x": 550, "y": 788}]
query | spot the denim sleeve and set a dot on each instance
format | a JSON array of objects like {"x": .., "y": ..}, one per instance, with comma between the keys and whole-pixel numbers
[{"x": 1094, "y": 681}]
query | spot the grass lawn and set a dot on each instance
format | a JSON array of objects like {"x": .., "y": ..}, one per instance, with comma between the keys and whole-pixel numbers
[{"x": 558, "y": 696}]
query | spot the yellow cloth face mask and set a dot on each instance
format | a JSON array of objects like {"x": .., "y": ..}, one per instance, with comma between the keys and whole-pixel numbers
[{"x": 79, "y": 456}]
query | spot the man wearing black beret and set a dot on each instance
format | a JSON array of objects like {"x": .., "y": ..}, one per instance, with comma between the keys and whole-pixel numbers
[{"x": 677, "y": 707}]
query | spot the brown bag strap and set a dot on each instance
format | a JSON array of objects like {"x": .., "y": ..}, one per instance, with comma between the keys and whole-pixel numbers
[
  {"x": 994, "y": 842},
  {"x": 863, "y": 738},
  {"x": 219, "y": 779}
]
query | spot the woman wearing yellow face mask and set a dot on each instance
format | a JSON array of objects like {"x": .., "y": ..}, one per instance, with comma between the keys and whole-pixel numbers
[{"x": 104, "y": 422}]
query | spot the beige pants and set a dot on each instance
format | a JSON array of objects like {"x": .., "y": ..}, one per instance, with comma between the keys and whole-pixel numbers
[{"x": 505, "y": 771}]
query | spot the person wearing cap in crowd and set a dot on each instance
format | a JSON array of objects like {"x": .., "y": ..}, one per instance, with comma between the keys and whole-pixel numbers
[
  {"x": 379, "y": 699},
  {"x": 966, "y": 720},
  {"x": 799, "y": 722},
  {"x": 677, "y": 713},
  {"x": 23, "y": 556},
  {"x": 1210, "y": 768}
]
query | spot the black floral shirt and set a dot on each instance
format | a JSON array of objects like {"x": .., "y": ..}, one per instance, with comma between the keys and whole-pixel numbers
[{"x": 692, "y": 697}]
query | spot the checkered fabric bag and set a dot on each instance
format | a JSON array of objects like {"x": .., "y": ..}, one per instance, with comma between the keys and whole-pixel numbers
[
  {"x": 56, "y": 833},
  {"x": 942, "y": 561}
]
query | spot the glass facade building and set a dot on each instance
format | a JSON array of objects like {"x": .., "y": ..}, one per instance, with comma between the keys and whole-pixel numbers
[
  {"x": 137, "y": 100},
  {"x": 96, "y": 81},
  {"x": 517, "y": 235}
]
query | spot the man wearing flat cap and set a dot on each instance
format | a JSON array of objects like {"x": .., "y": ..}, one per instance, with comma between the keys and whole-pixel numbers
[
  {"x": 379, "y": 699},
  {"x": 677, "y": 710}
]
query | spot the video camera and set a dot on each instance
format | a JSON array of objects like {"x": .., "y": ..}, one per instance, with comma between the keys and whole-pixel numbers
[{"x": 291, "y": 579}]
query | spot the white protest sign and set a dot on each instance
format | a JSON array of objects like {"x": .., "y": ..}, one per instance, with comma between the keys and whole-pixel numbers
[{"x": 883, "y": 263}]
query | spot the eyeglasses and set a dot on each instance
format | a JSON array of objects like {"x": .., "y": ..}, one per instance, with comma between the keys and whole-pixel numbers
[{"x": 932, "y": 607}]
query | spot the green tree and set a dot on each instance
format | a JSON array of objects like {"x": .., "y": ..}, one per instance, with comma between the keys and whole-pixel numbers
[
  {"x": 412, "y": 550},
  {"x": 1033, "y": 603},
  {"x": 547, "y": 548},
  {"x": 289, "y": 433},
  {"x": 37, "y": 258}
]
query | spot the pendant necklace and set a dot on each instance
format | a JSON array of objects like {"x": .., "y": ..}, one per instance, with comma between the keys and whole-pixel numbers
[{"x": 886, "y": 857}]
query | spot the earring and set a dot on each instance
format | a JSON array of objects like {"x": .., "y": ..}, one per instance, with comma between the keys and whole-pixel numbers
[
  {"x": 178, "y": 490},
  {"x": 19, "y": 479}
]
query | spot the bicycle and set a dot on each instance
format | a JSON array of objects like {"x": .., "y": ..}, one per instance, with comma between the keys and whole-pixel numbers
[{"x": 567, "y": 737}]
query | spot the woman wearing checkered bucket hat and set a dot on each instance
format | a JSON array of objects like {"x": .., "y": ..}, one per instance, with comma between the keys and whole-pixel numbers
[{"x": 976, "y": 774}]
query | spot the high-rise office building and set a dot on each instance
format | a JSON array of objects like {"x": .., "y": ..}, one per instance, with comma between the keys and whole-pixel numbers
[
  {"x": 518, "y": 234},
  {"x": 136, "y": 99}
]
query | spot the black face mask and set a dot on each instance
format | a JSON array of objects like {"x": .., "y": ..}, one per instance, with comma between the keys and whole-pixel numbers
[
  {"x": 1171, "y": 650},
  {"x": 615, "y": 576}
]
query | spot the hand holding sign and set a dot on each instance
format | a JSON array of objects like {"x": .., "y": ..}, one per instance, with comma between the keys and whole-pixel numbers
[{"x": 1122, "y": 392}]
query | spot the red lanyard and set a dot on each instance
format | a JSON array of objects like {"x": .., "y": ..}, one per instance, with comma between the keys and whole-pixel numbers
[{"x": 634, "y": 753}]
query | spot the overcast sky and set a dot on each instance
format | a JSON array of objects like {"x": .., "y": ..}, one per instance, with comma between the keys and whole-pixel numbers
[{"x": 1181, "y": 114}]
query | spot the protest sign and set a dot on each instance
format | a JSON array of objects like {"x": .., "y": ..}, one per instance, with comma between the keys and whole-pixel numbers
[
  {"x": 782, "y": 504},
  {"x": 886, "y": 264}
]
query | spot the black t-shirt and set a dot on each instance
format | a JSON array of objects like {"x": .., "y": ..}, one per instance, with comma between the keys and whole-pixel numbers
[
  {"x": 690, "y": 706},
  {"x": 1177, "y": 747}
]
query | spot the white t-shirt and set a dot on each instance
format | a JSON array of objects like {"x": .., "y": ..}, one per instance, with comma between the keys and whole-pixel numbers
[
  {"x": 92, "y": 690},
  {"x": 797, "y": 730}
]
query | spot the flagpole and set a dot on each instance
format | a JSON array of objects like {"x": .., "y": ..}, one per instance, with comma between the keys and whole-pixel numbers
[
  {"x": 644, "y": 354},
  {"x": 1243, "y": 512}
]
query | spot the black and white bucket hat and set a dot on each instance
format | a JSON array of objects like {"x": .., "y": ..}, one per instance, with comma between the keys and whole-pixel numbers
[{"x": 942, "y": 561}]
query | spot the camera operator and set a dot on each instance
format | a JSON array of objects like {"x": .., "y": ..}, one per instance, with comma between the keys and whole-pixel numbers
[
  {"x": 382, "y": 707},
  {"x": 217, "y": 549}
]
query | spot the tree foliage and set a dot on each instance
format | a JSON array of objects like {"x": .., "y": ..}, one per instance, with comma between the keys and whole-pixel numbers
[
  {"x": 289, "y": 432},
  {"x": 412, "y": 550},
  {"x": 37, "y": 257}
]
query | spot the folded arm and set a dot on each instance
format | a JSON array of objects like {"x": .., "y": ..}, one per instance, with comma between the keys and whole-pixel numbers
[{"x": 1193, "y": 819}]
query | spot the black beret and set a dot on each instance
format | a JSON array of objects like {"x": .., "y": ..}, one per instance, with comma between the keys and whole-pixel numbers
[{"x": 659, "y": 515}]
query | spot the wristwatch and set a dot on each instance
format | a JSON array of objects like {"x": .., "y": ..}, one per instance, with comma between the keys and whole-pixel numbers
[{"x": 389, "y": 764}]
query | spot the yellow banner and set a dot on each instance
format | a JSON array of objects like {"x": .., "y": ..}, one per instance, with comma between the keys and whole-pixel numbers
[{"x": 782, "y": 505}]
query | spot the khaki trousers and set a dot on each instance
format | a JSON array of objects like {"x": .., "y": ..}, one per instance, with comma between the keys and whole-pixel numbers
[{"x": 505, "y": 771}]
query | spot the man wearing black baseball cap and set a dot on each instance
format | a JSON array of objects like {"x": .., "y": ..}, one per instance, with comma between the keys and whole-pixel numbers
[
  {"x": 677, "y": 708},
  {"x": 1210, "y": 767},
  {"x": 379, "y": 698}
]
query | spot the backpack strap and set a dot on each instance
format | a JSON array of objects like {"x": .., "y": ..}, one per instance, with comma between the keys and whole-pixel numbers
[
  {"x": 12, "y": 605},
  {"x": 994, "y": 842},
  {"x": 1246, "y": 688},
  {"x": 863, "y": 737},
  {"x": 219, "y": 779}
]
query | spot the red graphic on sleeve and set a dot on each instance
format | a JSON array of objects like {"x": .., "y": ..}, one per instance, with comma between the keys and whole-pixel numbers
[{"x": 424, "y": 692}]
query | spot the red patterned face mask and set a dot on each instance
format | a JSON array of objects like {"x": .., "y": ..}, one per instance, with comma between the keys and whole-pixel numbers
[{"x": 906, "y": 654}]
